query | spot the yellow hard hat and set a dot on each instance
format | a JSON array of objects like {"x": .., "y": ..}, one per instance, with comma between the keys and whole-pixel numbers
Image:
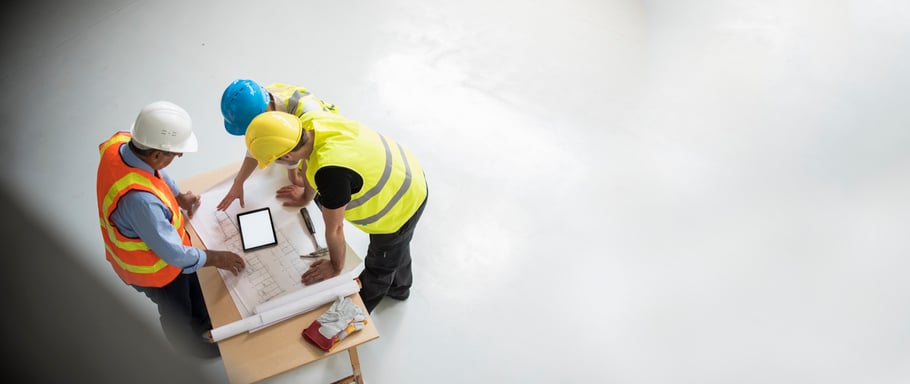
[{"x": 271, "y": 135}]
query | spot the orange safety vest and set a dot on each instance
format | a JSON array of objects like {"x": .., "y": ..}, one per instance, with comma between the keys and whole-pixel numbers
[{"x": 131, "y": 258}]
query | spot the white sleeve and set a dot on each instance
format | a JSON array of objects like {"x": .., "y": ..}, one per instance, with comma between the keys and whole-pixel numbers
[{"x": 311, "y": 104}]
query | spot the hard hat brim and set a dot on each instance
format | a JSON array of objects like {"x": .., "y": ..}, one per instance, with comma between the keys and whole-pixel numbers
[
  {"x": 272, "y": 135},
  {"x": 234, "y": 129},
  {"x": 191, "y": 144}
]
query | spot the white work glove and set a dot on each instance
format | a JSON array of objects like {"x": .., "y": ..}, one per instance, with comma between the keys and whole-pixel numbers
[{"x": 336, "y": 319}]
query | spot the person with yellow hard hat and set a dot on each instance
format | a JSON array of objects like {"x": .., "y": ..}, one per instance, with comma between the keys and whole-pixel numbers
[
  {"x": 140, "y": 209},
  {"x": 243, "y": 100},
  {"x": 354, "y": 174}
]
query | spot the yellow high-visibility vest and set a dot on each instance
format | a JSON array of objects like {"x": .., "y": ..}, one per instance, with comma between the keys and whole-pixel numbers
[
  {"x": 291, "y": 98},
  {"x": 394, "y": 185}
]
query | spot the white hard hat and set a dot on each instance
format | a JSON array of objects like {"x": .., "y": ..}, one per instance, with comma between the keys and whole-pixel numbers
[{"x": 165, "y": 126}]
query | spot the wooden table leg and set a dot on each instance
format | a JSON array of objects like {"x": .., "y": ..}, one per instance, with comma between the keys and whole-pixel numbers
[{"x": 355, "y": 366}]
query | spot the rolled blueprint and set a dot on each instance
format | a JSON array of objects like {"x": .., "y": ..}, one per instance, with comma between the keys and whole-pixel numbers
[
  {"x": 285, "y": 311},
  {"x": 308, "y": 290}
]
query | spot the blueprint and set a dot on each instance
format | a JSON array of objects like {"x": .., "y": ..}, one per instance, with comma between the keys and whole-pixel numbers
[
  {"x": 272, "y": 275},
  {"x": 270, "y": 272}
]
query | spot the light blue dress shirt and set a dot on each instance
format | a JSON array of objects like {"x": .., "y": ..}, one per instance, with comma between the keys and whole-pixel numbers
[{"x": 141, "y": 214}]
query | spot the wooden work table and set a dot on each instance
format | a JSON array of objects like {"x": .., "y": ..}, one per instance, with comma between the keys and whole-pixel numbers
[{"x": 279, "y": 348}]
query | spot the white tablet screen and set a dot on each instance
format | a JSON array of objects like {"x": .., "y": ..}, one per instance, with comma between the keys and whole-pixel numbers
[{"x": 256, "y": 229}]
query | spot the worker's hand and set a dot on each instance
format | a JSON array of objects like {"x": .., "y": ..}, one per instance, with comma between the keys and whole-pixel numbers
[
  {"x": 295, "y": 176},
  {"x": 226, "y": 260},
  {"x": 189, "y": 201},
  {"x": 294, "y": 194},
  {"x": 236, "y": 192},
  {"x": 320, "y": 270}
]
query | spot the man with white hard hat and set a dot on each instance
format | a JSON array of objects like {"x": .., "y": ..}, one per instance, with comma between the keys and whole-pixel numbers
[{"x": 142, "y": 223}]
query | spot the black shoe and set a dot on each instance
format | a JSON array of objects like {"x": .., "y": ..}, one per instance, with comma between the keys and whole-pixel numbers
[{"x": 400, "y": 297}]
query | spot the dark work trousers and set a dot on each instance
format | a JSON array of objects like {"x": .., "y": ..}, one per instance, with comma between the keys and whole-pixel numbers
[
  {"x": 387, "y": 265},
  {"x": 183, "y": 315}
]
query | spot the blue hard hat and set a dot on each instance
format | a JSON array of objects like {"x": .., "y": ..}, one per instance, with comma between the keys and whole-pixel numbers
[{"x": 241, "y": 102}]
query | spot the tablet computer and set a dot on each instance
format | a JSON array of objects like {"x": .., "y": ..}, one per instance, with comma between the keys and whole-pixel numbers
[{"x": 257, "y": 230}]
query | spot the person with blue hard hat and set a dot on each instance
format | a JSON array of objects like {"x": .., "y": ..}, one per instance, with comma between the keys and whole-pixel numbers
[{"x": 245, "y": 99}]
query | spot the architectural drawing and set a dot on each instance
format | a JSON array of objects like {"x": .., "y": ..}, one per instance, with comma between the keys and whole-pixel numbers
[{"x": 272, "y": 275}]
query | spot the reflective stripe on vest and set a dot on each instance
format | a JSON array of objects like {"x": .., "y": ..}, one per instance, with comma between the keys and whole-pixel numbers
[
  {"x": 131, "y": 258},
  {"x": 135, "y": 268},
  {"x": 117, "y": 139},
  {"x": 294, "y": 101},
  {"x": 381, "y": 184},
  {"x": 291, "y": 98},
  {"x": 393, "y": 182},
  {"x": 133, "y": 181}
]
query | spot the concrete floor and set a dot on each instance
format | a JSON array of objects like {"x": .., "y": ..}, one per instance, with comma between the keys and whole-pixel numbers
[{"x": 621, "y": 191}]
